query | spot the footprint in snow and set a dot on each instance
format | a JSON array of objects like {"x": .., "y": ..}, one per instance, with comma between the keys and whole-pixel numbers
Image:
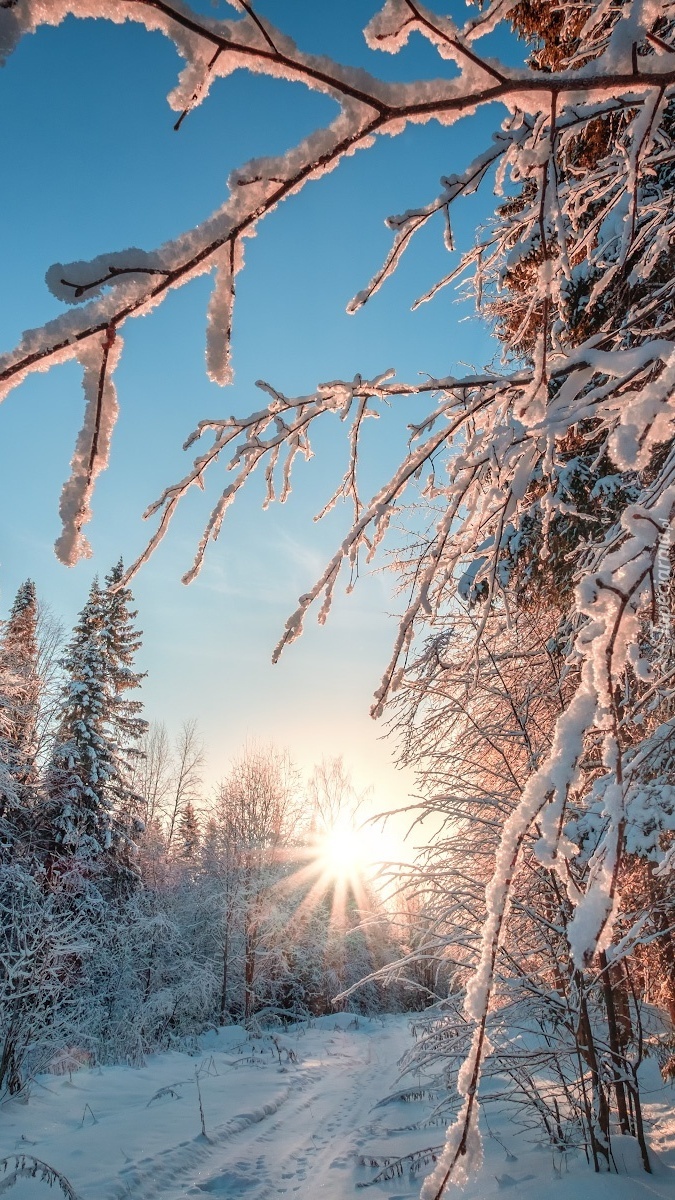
[{"x": 229, "y": 1184}]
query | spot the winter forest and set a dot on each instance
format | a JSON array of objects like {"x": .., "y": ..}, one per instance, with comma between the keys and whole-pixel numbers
[
  {"x": 508, "y": 997},
  {"x": 113, "y": 864}
]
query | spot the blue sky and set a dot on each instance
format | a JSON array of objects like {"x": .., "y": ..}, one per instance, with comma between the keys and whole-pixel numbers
[{"x": 94, "y": 165}]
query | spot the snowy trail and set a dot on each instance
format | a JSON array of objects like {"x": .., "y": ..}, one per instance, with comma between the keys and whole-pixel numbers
[
  {"x": 289, "y": 1115},
  {"x": 281, "y": 1120},
  {"x": 314, "y": 1138}
]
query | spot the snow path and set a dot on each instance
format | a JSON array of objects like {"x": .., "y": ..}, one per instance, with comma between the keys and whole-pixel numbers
[
  {"x": 284, "y": 1116},
  {"x": 293, "y": 1146},
  {"x": 288, "y": 1115},
  {"x": 316, "y": 1135}
]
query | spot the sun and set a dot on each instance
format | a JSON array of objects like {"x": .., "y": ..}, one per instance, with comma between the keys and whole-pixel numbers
[
  {"x": 341, "y": 853},
  {"x": 335, "y": 869},
  {"x": 343, "y": 865},
  {"x": 351, "y": 869}
]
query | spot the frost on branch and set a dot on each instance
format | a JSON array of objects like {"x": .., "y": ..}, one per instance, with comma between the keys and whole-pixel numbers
[
  {"x": 219, "y": 321},
  {"x": 98, "y": 357},
  {"x": 77, "y": 281}
]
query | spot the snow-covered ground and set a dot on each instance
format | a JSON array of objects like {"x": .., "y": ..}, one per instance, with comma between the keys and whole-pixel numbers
[{"x": 292, "y": 1114}]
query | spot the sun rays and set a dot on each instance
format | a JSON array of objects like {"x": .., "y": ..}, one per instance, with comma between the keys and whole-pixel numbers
[{"x": 336, "y": 871}]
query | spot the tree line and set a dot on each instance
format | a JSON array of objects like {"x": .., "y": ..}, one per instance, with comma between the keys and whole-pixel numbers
[{"x": 137, "y": 909}]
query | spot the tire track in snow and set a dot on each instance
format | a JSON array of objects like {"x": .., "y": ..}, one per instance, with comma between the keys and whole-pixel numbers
[
  {"x": 302, "y": 1143},
  {"x": 312, "y": 1147},
  {"x": 155, "y": 1175}
]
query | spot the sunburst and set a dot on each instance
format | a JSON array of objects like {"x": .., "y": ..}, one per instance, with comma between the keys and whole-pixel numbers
[{"x": 339, "y": 866}]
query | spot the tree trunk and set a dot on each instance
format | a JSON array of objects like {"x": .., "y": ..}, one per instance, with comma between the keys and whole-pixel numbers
[
  {"x": 249, "y": 971},
  {"x": 223, "y": 987},
  {"x": 599, "y": 1130},
  {"x": 618, "y": 1061}
]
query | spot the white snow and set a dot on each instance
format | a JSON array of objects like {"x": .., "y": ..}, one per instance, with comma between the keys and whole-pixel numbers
[
  {"x": 297, "y": 1113},
  {"x": 99, "y": 357}
]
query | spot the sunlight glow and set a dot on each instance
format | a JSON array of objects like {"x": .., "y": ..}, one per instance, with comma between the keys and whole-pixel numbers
[
  {"x": 341, "y": 853},
  {"x": 339, "y": 870}
]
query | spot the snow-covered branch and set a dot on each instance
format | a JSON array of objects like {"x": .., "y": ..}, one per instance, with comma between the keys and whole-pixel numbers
[{"x": 122, "y": 284}]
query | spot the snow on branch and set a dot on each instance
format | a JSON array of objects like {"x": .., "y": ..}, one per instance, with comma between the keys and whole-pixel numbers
[
  {"x": 98, "y": 358},
  {"x": 116, "y": 286}
]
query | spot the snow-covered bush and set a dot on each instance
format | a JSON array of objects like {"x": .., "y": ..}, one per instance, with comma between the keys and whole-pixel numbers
[
  {"x": 43, "y": 940},
  {"x": 146, "y": 984}
]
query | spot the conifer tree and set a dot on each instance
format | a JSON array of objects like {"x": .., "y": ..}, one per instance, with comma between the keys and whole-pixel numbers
[
  {"x": 83, "y": 764},
  {"x": 120, "y": 641},
  {"x": 18, "y": 667},
  {"x": 93, "y": 806},
  {"x": 19, "y": 693},
  {"x": 188, "y": 828}
]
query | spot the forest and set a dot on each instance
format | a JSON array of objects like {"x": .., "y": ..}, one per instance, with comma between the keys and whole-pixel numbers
[
  {"x": 138, "y": 909},
  {"x": 530, "y": 684}
]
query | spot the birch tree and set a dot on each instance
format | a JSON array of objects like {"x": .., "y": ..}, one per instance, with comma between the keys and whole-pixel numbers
[
  {"x": 185, "y": 787},
  {"x": 259, "y": 812}
]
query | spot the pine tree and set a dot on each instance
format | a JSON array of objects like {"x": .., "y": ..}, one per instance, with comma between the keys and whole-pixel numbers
[
  {"x": 125, "y": 726},
  {"x": 19, "y": 694},
  {"x": 83, "y": 764}
]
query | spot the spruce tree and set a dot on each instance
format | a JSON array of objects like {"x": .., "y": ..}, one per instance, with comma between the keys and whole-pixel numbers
[
  {"x": 577, "y": 495},
  {"x": 93, "y": 806},
  {"x": 188, "y": 829},
  {"x": 19, "y": 694},
  {"x": 83, "y": 763},
  {"x": 120, "y": 642}
]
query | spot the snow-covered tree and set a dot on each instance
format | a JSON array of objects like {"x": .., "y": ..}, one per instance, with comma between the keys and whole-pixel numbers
[
  {"x": 152, "y": 773},
  {"x": 19, "y": 695},
  {"x": 120, "y": 642},
  {"x": 125, "y": 727},
  {"x": 51, "y": 637},
  {"x": 219, "y": 866},
  {"x": 188, "y": 830},
  {"x": 42, "y": 940},
  {"x": 19, "y": 661},
  {"x": 92, "y": 807},
  {"x": 185, "y": 785},
  {"x": 475, "y": 735},
  {"x": 80, "y": 806},
  {"x": 331, "y": 796},
  {"x": 258, "y": 814}
]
